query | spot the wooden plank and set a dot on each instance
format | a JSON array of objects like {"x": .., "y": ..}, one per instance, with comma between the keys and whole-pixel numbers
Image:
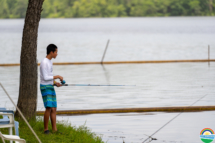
[
  {"x": 127, "y": 110},
  {"x": 121, "y": 62}
]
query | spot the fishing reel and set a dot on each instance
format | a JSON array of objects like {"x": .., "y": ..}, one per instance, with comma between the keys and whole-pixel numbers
[{"x": 63, "y": 82}]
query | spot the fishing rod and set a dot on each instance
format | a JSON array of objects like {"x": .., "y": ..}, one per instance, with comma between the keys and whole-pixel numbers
[
  {"x": 169, "y": 122},
  {"x": 21, "y": 114},
  {"x": 64, "y": 84}
]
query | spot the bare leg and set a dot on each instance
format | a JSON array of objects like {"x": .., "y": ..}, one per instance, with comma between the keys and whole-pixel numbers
[
  {"x": 53, "y": 119},
  {"x": 46, "y": 118}
]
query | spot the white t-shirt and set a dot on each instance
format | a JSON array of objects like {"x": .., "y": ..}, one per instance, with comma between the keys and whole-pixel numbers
[{"x": 46, "y": 75}]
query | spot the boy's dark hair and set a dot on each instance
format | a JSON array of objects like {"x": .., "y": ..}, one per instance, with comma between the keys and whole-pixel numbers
[{"x": 51, "y": 47}]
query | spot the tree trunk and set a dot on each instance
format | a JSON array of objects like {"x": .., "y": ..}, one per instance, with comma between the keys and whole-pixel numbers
[
  {"x": 211, "y": 6},
  {"x": 27, "y": 101}
]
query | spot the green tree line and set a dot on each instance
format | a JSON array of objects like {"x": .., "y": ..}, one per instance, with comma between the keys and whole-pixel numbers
[{"x": 110, "y": 8}]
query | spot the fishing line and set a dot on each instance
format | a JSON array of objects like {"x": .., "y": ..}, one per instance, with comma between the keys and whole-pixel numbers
[{"x": 171, "y": 120}]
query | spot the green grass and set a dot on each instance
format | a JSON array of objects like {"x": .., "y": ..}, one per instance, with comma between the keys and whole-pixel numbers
[{"x": 70, "y": 134}]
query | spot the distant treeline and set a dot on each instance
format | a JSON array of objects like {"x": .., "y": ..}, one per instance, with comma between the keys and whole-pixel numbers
[{"x": 110, "y": 8}]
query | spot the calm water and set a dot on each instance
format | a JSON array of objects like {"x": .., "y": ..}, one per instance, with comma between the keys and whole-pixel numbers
[
  {"x": 130, "y": 38},
  {"x": 169, "y": 84},
  {"x": 178, "y": 84},
  {"x": 134, "y": 127}
]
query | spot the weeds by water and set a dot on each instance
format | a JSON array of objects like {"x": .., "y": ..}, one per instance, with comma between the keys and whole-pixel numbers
[{"x": 70, "y": 134}]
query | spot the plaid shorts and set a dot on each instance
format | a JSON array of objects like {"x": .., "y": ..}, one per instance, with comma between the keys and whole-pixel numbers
[{"x": 49, "y": 95}]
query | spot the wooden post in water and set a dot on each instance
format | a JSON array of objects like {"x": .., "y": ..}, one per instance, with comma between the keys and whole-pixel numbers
[
  {"x": 105, "y": 51},
  {"x": 208, "y": 54}
]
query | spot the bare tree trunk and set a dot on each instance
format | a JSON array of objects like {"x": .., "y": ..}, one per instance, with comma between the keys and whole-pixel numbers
[
  {"x": 27, "y": 101},
  {"x": 211, "y": 6}
]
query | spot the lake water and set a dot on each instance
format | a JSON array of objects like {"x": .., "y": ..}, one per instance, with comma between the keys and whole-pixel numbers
[
  {"x": 130, "y": 38},
  {"x": 158, "y": 85}
]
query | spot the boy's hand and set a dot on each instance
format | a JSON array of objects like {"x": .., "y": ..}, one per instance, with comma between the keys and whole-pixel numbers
[
  {"x": 58, "y": 77},
  {"x": 58, "y": 84},
  {"x": 61, "y": 78}
]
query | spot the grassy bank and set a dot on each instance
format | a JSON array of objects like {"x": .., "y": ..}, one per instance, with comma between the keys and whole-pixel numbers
[{"x": 70, "y": 134}]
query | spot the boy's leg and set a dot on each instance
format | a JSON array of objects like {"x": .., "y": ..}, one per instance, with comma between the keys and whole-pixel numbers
[
  {"x": 46, "y": 118},
  {"x": 53, "y": 119}
]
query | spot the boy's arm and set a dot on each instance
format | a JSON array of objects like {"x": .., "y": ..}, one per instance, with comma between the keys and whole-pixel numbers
[
  {"x": 46, "y": 76},
  {"x": 44, "y": 70},
  {"x": 57, "y": 76}
]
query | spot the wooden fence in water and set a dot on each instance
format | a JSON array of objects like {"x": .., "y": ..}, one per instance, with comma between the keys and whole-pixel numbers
[
  {"x": 122, "y": 62},
  {"x": 127, "y": 110}
]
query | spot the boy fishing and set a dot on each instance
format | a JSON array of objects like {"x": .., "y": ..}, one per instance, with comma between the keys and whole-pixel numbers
[{"x": 47, "y": 88}]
